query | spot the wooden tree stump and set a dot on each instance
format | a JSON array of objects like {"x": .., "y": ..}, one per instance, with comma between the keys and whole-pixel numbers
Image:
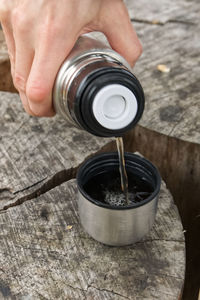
[
  {"x": 45, "y": 254},
  {"x": 169, "y": 132}
]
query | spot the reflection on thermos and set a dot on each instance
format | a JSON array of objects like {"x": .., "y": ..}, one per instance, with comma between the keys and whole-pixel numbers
[{"x": 95, "y": 90}]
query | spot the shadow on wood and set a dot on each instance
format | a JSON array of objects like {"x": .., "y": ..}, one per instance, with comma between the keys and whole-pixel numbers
[{"x": 179, "y": 164}]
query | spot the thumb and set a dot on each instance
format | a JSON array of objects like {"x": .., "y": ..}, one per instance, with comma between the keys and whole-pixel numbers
[{"x": 122, "y": 36}]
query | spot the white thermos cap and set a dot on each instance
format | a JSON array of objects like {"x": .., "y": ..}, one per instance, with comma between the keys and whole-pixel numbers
[{"x": 115, "y": 106}]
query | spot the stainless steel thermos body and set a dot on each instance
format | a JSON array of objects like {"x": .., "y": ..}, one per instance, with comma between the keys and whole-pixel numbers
[{"x": 95, "y": 90}]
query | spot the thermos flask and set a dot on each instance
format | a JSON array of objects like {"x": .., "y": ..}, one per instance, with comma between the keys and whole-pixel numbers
[{"x": 96, "y": 91}]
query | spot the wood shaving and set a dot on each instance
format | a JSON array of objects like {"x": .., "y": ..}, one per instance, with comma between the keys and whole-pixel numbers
[
  {"x": 163, "y": 68},
  {"x": 69, "y": 227},
  {"x": 155, "y": 22}
]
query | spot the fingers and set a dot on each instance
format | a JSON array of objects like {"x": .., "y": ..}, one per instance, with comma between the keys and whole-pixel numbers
[
  {"x": 8, "y": 32},
  {"x": 47, "y": 60},
  {"x": 121, "y": 34},
  {"x": 23, "y": 59},
  {"x": 24, "y": 55},
  {"x": 5, "y": 19},
  {"x": 17, "y": 54},
  {"x": 26, "y": 104},
  {"x": 41, "y": 40},
  {"x": 44, "y": 36}
]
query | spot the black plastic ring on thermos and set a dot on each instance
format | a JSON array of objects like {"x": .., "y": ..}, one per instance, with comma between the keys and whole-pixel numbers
[{"x": 91, "y": 85}]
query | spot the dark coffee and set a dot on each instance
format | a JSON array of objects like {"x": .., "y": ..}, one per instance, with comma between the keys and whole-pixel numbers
[
  {"x": 122, "y": 170},
  {"x": 106, "y": 187}
]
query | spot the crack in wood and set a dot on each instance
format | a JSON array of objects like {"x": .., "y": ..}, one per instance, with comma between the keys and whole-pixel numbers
[
  {"x": 51, "y": 252},
  {"x": 91, "y": 286},
  {"x": 175, "y": 125},
  {"x": 108, "y": 291},
  {"x": 160, "y": 240},
  {"x": 5, "y": 190},
  {"x": 160, "y": 23},
  {"x": 57, "y": 179},
  {"x": 167, "y": 275},
  {"x": 6, "y": 193},
  {"x": 28, "y": 187},
  {"x": 40, "y": 295},
  {"x": 77, "y": 288},
  {"x": 1, "y": 270}
]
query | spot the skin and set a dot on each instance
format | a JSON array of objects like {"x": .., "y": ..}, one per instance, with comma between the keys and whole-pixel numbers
[{"x": 41, "y": 33}]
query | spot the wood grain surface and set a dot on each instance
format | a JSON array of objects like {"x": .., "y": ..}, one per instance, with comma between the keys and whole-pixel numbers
[
  {"x": 44, "y": 253},
  {"x": 168, "y": 134},
  {"x": 172, "y": 99}
]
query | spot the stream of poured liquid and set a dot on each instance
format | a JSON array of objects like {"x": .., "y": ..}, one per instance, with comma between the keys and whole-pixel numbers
[{"x": 122, "y": 168}]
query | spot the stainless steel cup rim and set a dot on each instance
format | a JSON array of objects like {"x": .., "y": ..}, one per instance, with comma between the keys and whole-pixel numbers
[{"x": 97, "y": 161}]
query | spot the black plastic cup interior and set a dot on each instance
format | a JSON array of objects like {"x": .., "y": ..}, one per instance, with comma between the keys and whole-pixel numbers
[{"x": 105, "y": 162}]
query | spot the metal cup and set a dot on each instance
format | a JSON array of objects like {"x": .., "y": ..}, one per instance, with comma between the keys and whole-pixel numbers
[{"x": 117, "y": 225}]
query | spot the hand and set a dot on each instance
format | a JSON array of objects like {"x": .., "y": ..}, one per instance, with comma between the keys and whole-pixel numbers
[{"x": 41, "y": 33}]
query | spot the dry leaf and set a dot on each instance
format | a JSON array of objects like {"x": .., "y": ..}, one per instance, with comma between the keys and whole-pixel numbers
[
  {"x": 163, "y": 68},
  {"x": 69, "y": 227},
  {"x": 155, "y": 22}
]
